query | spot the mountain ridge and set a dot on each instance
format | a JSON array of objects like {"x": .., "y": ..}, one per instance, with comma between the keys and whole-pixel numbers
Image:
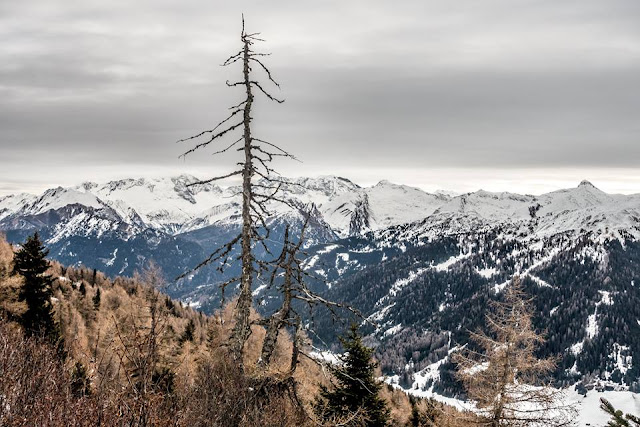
[{"x": 174, "y": 206}]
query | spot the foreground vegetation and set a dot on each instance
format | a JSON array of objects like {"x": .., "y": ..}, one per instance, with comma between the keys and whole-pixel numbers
[{"x": 123, "y": 353}]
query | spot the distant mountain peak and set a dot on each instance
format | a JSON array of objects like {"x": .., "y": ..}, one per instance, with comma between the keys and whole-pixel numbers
[
  {"x": 88, "y": 185},
  {"x": 588, "y": 184}
]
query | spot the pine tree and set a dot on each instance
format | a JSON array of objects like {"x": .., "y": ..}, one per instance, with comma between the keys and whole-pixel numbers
[
  {"x": 96, "y": 300},
  {"x": 187, "y": 335},
  {"x": 30, "y": 263},
  {"x": 355, "y": 399}
]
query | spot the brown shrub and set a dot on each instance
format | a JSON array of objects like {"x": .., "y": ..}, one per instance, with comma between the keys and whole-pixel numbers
[{"x": 35, "y": 388}]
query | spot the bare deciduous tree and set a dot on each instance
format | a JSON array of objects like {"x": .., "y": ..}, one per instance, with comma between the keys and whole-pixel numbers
[
  {"x": 260, "y": 184},
  {"x": 505, "y": 378}
]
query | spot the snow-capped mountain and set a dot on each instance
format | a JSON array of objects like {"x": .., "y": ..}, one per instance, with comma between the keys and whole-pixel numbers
[
  {"x": 171, "y": 206},
  {"x": 584, "y": 208}
]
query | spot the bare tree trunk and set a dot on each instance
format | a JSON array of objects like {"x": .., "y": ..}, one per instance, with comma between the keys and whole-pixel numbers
[
  {"x": 277, "y": 321},
  {"x": 256, "y": 196},
  {"x": 242, "y": 328},
  {"x": 293, "y": 288},
  {"x": 297, "y": 341}
]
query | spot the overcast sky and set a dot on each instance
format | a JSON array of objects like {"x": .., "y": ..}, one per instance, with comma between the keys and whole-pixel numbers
[{"x": 519, "y": 95}]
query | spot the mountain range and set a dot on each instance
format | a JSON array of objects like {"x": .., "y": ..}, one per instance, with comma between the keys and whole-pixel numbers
[{"x": 422, "y": 267}]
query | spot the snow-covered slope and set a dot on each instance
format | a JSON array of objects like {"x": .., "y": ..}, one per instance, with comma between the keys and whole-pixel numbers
[
  {"x": 57, "y": 198},
  {"x": 166, "y": 204},
  {"x": 12, "y": 203}
]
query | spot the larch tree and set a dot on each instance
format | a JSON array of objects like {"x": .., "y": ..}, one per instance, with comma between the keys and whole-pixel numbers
[
  {"x": 260, "y": 183},
  {"x": 30, "y": 262},
  {"x": 140, "y": 358},
  {"x": 505, "y": 377}
]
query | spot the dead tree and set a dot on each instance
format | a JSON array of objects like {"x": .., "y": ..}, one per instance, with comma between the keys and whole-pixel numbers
[
  {"x": 290, "y": 266},
  {"x": 260, "y": 184},
  {"x": 505, "y": 378}
]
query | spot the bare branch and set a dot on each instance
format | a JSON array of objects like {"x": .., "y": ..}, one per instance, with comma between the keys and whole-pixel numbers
[
  {"x": 217, "y": 178},
  {"x": 267, "y": 94}
]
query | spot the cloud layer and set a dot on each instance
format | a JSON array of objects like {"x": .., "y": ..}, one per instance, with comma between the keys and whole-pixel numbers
[{"x": 105, "y": 88}]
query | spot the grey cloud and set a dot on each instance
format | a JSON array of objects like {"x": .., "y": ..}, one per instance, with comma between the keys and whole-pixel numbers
[{"x": 494, "y": 84}]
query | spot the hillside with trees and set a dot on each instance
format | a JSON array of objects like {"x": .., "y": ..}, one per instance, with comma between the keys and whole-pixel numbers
[{"x": 127, "y": 354}]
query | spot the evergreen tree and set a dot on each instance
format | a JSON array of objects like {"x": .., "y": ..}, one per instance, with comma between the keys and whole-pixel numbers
[
  {"x": 83, "y": 289},
  {"x": 187, "y": 335},
  {"x": 96, "y": 300},
  {"x": 618, "y": 418},
  {"x": 355, "y": 399},
  {"x": 30, "y": 262}
]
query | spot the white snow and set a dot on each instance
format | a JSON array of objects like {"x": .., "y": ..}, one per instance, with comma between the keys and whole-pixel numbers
[
  {"x": 623, "y": 361},
  {"x": 587, "y": 407},
  {"x": 487, "y": 272},
  {"x": 258, "y": 290},
  {"x": 577, "y": 348},
  {"x": 327, "y": 249},
  {"x": 606, "y": 298},
  {"x": 592, "y": 325},
  {"x": 113, "y": 258},
  {"x": 589, "y": 412},
  {"x": 392, "y": 331},
  {"x": 172, "y": 205},
  {"x": 325, "y": 356},
  {"x": 444, "y": 266},
  {"x": 539, "y": 281}
]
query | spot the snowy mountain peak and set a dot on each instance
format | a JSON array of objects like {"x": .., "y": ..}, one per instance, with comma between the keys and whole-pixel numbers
[
  {"x": 585, "y": 183},
  {"x": 56, "y": 198}
]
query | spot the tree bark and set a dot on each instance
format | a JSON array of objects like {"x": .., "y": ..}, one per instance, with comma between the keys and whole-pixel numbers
[{"x": 242, "y": 328}]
